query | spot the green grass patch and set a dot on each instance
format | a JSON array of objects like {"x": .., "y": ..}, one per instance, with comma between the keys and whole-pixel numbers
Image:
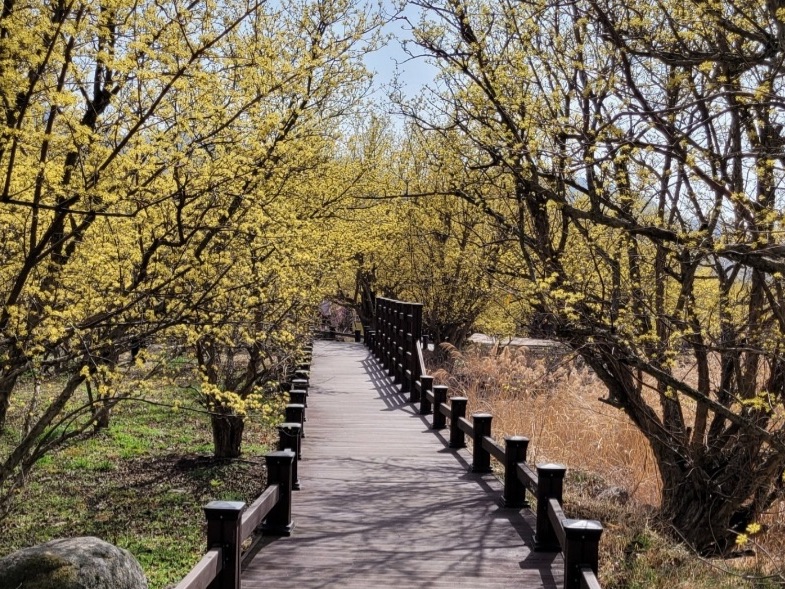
[{"x": 140, "y": 484}]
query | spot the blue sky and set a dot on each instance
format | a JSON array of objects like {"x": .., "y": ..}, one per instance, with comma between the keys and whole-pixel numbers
[{"x": 412, "y": 73}]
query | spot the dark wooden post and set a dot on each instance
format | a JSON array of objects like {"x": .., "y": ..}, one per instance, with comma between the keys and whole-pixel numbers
[
  {"x": 399, "y": 363},
  {"x": 457, "y": 410},
  {"x": 408, "y": 381},
  {"x": 416, "y": 320},
  {"x": 426, "y": 384},
  {"x": 439, "y": 397},
  {"x": 392, "y": 359},
  {"x": 514, "y": 490},
  {"x": 224, "y": 519},
  {"x": 416, "y": 331},
  {"x": 481, "y": 458},
  {"x": 298, "y": 397},
  {"x": 295, "y": 413},
  {"x": 289, "y": 439},
  {"x": 380, "y": 328},
  {"x": 370, "y": 337},
  {"x": 301, "y": 383},
  {"x": 414, "y": 393},
  {"x": 581, "y": 550},
  {"x": 390, "y": 341},
  {"x": 400, "y": 343},
  {"x": 279, "y": 471},
  {"x": 376, "y": 327},
  {"x": 550, "y": 485}
]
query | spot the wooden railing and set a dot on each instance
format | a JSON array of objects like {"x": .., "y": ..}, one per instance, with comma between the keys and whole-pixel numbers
[
  {"x": 396, "y": 343},
  {"x": 230, "y": 524},
  {"x": 395, "y": 338}
]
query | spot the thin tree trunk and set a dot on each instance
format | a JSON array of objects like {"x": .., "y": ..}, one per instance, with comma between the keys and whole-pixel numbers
[{"x": 227, "y": 435}]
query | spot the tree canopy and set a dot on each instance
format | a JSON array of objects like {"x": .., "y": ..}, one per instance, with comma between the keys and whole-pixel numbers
[{"x": 606, "y": 173}]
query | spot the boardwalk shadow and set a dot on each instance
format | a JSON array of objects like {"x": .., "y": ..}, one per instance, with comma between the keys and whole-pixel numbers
[{"x": 521, "y": 522}]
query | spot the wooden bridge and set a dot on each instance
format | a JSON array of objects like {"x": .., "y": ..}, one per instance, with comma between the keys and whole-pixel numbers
[{"x": 383, "y": 499}]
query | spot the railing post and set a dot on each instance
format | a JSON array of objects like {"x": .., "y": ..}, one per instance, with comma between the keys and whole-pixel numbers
[
  {"x": 300, "y": 383},
  {"x": 370, "y": 338},
  {"x": 439, "y": 397},
  {"x": 514, "y": 490},
  {"x": 481, "y": 458},
  {"x": 457, "y": 410},
  {"x": 399, "y": 363},
  {"x": 416, "y": 320},
  {"x": 581, "y": 550},
  {"x": 224, "y": 520},
  {"x": 550, "y": 485},
  {"x": 295, "y": 413},
  {"x": 426, "y": 384},
  {"x": 408, "y": 375},
  {"x": 298, "y": 397},
  {"x": 279, "y": 471},
  {"x": 289, "y": 439}
]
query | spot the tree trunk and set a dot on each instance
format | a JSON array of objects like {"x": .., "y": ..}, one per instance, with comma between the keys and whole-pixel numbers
[
  {"x": 5, "y": 401},
  {"x": 704, "y": 520},
  {"x": 101, "y": 416},
  {"x": 6, "y": 387},
  {"x": 227, "y": 435}
]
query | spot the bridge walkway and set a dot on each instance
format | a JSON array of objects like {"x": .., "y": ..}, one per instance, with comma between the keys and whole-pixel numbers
[{"x": 385, "y": 503}]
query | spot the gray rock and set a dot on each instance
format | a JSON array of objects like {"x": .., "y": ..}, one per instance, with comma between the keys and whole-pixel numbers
[
  {"x": 614, "y": 495},
  {"x": 71, "y": 563}
]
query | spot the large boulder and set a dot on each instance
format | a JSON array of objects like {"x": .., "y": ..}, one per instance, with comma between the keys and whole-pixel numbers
[{"x": 71, "y": 563}]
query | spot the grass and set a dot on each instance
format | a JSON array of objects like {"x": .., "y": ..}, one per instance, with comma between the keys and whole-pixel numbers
[
  {"x": 140, "y": 484},
  {"x": 612, "y": 476}
]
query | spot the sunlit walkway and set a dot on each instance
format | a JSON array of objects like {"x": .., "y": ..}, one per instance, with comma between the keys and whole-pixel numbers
[{"x": 384, "y": 502}]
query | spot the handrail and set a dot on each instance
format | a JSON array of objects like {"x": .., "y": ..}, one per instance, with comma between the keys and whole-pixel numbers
[
  {"x": 589, "y": 579},
  {"x": 421, "y": 357},
  {"x": 557, "y": 518},
  {"x": 259, "y": 510},
  {"x": 205, "y": 571},
  {"x": 490, "y": 446},
  {"x": 577, "y": 539}
]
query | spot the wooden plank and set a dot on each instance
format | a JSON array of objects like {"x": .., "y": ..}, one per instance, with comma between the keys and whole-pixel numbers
[
  {"x": 385, "y": 503},
  {"x": 258, "y": 510},
  {"x": 420, "y": 358},
  {"x": 528, "y": 477},
  {"x": 589, "y": 579},
  {"x": 204, "y": 572},
  {"x": 556, "y": 516},
  {"x": 466, "y": 426},
  {"x": 490, "y": 446}
]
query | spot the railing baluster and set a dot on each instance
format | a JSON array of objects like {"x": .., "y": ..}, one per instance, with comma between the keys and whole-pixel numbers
[
  {"x": 581, "y": 550},
  {"x": 457, "y": 411},
  {"x": 279, "y": 472},
  {"x": 550, "y": 485},
  {"x": 223, "y": 530},
  {"x": 439, "y": 397},
  {"x": 481, "y": 459},
  {"x": 426, "y": 384},
  {"x": 295, "y": 413},
  {"x": 289, "y": 438},
  {"x": 515, "y": 448}
]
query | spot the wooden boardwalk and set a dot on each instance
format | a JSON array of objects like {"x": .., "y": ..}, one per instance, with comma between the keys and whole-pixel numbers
[{"x": 385, "y": 503}]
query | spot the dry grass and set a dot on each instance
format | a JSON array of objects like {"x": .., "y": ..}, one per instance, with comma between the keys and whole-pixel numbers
[{"x": 549, "y": 397}]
